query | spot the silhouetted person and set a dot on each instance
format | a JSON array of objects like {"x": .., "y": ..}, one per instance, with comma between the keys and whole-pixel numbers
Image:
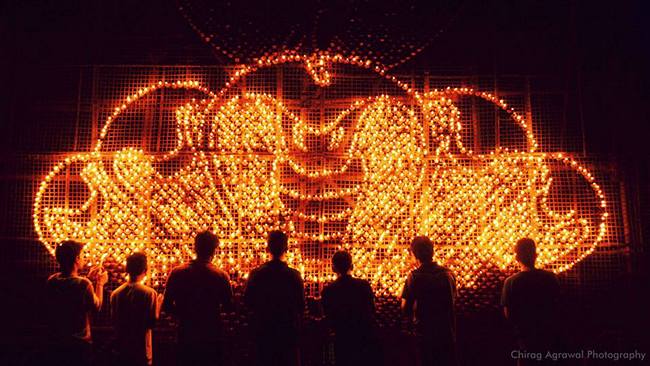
[
  {"x": 349, "y": 308},
  {"x": 134, "y": 309},
  {"x": 529, "y": 301},
  {"x": 274, "y": 294},
  {"x": 70, "y": 301},
  {"x": 196, "y": 293},
  {"x": 428, "y": 298}
]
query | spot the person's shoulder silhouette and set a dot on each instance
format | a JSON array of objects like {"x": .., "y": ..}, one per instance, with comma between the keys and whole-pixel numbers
[
  {"x": 71, "y": 297},
  {"x": 197, "y": 292},
  {"x": 348, "y": 302},
  {"x": 431, "y": 287},
  {"x": 274, "y": 295},
  {"x": 70, "y": 300},
  {"x": 428, "y": 299},
  {"x": 134, "y": 310},
  {"x": 529, "y": 297},
  {"x": 274, "y": 291}
]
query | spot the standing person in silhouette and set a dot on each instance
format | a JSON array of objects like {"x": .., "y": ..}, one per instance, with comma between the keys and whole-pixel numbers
[
  {"x": 196, "y": 294},
  {"x": 134, "y": 309},
  {"x": 274, "y": 294},
  {"x": 70, "y": 301},
  {"x": 349, "y": 308},
  {"x": 428, "y": 299},
  {"x": 529, "y": 301}
]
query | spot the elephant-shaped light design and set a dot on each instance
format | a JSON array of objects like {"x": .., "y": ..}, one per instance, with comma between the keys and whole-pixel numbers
[{"x": 378, "y": 171}]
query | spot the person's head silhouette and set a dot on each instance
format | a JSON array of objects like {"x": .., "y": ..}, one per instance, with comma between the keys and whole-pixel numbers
[
  {"x": 136, "y": 266},
  {"x": 205, "y": 244},
  {"x": 68, "y": 255},
  {"x": 422, "y": 249},
  {"x": 342, "y": 262},
  {"x": 277, "y": 242},
  {"x": 525, "y": 253}
]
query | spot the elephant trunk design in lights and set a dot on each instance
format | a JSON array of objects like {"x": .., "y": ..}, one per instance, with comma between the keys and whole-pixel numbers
[{"x": 380, "y": 169}]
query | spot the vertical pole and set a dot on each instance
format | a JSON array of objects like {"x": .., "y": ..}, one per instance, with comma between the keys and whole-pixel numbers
[
  {"x": 497, "y": 119},
  {"x": 625, "y": 216},
  {"x": 476, "y": 123},
  {"x": 528, "y": 105},
  {"x": 75, "y": 145}
]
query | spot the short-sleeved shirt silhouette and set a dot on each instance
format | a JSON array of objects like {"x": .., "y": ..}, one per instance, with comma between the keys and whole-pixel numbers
[
  {"x": 531, "y": 297},
  {"x": 349, "y": 306},
  {"x": 196, "y": 293},
  {"x": 70, "y": 302},
  {"x": 432, "y": 288},
  {"x": 274, "y": 294},
  {"x": 134, "y": 313}
]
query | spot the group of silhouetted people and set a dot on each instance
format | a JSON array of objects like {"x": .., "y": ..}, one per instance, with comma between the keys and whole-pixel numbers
[{"x": 197, "y": 293}]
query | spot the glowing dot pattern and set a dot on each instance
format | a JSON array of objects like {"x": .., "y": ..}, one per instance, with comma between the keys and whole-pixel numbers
[{"x": 395, "y": 165}]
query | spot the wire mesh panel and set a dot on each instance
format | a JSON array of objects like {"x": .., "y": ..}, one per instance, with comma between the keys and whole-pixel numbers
[{"x": 336, "y": 153}]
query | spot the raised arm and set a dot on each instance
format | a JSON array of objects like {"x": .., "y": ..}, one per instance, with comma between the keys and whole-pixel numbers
[{"x": 98, "y": 277}]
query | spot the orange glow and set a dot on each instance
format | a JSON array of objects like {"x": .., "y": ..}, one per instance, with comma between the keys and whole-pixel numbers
[{"x": 402, "y": 156}]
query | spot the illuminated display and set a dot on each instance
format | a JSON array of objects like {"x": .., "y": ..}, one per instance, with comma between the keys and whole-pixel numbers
[{"x": 366, "y": 176}]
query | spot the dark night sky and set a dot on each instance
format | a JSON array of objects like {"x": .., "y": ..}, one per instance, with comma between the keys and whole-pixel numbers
[{"x": 601, "y": 47}]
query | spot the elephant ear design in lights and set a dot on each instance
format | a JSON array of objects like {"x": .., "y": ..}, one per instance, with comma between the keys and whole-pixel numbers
[{"x": 374, "y": 171}]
